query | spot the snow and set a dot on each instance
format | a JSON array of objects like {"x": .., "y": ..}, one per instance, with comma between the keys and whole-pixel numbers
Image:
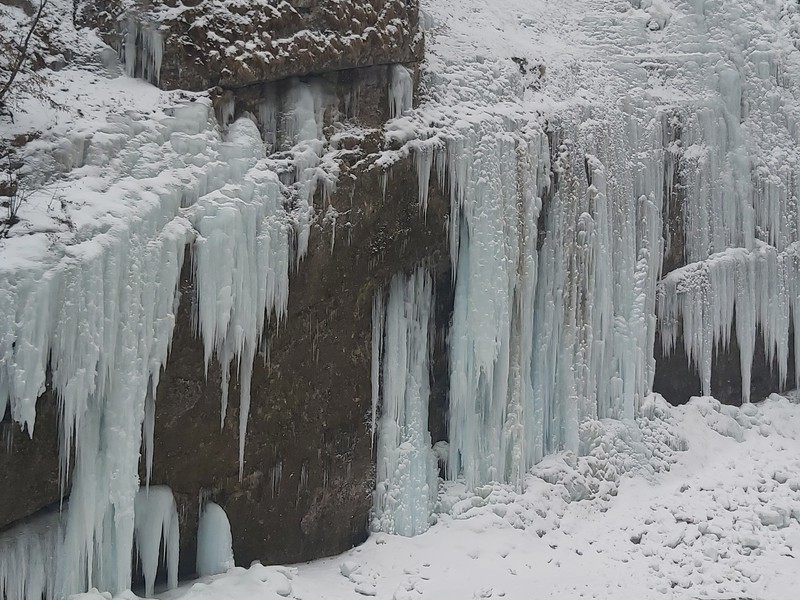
[{"x": 669, "y": 505}]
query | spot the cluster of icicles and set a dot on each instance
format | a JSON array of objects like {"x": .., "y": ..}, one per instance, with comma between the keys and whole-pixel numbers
[
  {"x": 98, "y": 320},
  {"x": 142, "y": 49},
  {"x": 35, "y": 559},
  {"x": 557, "y": 237}
]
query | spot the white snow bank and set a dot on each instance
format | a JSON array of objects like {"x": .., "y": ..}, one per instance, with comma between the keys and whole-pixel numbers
[{"x": 669, "y": 505}]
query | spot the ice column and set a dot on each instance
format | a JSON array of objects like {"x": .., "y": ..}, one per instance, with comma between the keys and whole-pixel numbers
[
  {"x": 214, "y": 541},
  {"x": 156, "y": 527},
  {"x": 406, "y": 469},
  {"x": 401, "y": 90}
]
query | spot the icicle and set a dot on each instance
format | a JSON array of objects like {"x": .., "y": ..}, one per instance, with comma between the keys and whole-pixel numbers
[
  {"x": 757, "y": 287},
  {"x": 142, "y": 49},
  {"x": 406, "y": 481},
  {"x": 401, "y": 90},
  {"x": 423, "y": 157},
  {"x": 214, "y": 541},
  {"x": 30, "y": 565},
  {"x": 100, "y": 318},
  {"x": 156, "y": 526},
  {"x": 268, "y": 116},
  {"x": 241, "y": 265},
  {"x": 377, "y": 354},
  {"x": 148, "y": 431},
  {"x": 543, "y": 337}
]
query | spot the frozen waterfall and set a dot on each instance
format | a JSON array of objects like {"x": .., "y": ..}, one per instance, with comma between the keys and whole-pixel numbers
[
  {"x": 407, "y": 476},
  {"x": 570, "y": 193},
  {"x": 545, "y": 227},
  {"x": 38, "y": 556},
  {"x": 94, "y": 323}
]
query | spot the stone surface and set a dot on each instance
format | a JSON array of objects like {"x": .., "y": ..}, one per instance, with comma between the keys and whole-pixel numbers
[
  {"x": 232, "y": 44},
  {"x": 29, "y": 467},
  {"x": 309, "y": 467}
]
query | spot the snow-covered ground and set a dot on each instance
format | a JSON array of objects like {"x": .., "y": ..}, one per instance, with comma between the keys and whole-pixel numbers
[{"x": 700, "y": 501}]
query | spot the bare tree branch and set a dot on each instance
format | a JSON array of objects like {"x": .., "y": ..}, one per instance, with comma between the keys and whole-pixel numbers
[{"x": 22, "y": 54}]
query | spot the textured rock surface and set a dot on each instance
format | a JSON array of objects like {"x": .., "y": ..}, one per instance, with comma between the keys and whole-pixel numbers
[
  {"x": 233, "y": 44},
  {"x": 29, "y": 467},
  {"x": 308, "y": 475}
]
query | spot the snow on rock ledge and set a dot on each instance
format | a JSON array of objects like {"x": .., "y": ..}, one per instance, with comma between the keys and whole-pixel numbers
[{"x": 232, "y": 45}]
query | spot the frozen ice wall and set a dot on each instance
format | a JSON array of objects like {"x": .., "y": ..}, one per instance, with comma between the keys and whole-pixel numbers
[
  {"x": 92, "y": 319},
  {"x": 36, "y": 560},
  {"x": 544, "y": 228},
  {"x": 665, "y": 130},
  {"x": 407, "y": 475}
]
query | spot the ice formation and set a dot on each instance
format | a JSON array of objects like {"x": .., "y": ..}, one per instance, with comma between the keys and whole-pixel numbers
[
  {"x": 142, "y": 49},
  {"x": 97, "y": 317},
  {"x": 562, "y": 207},
  {"x": 29, "y": 565},
  {"x": 543, "y": 335},
  {"x": 736, "y": 292},
  {"x": 407, "y": 476},
  {"x": 36, "y": 556},
  {"x": 401, "y": 90},
  {"x": 214, "y": 541},
  {"x": 156, "y": 526},
  {"x": 564, "y": 169}
]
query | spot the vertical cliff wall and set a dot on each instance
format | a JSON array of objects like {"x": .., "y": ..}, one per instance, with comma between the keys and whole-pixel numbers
[{"x": 594, "y": 225}]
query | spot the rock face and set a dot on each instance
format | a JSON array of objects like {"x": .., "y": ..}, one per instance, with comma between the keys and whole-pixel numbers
[
  {"x": 309, "y": 466},
  {"x": 678, "y": 381},
  {"x": 308, "y": 474},
  {"x": 196, "y": 45}
]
